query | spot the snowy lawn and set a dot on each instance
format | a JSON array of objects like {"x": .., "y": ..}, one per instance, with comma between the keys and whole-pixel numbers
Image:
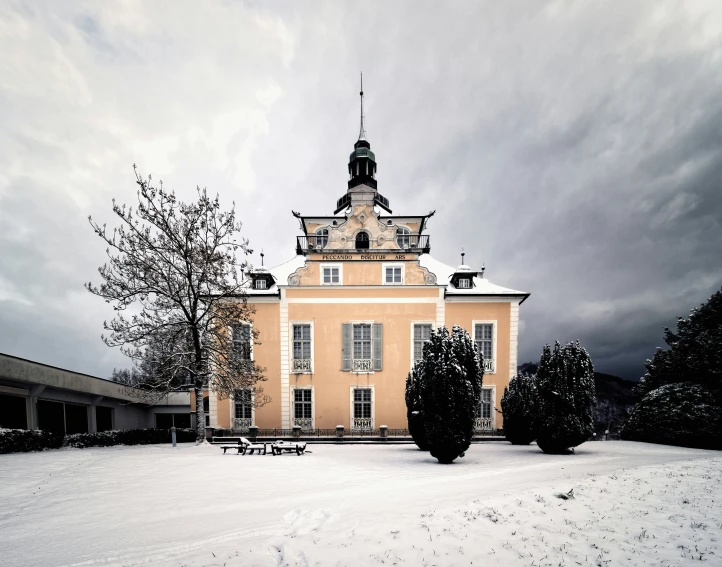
[{"x": 634, "y": 504}]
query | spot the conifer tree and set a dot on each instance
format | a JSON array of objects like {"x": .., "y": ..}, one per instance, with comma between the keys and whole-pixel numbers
[
  {"x": 519, "y": 407},
  {"x": 414, "y": 415},
  {"x": 565, "y": 388},
  {"x": 450, "y": 388}
]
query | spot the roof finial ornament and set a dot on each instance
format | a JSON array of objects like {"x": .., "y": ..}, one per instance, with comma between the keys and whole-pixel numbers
[
  {"x": 262, "y": 255},
  {"x": 462, "y": 256},
  {"x": 362, "y": 131},
  {"x": 483, "y": 269}
]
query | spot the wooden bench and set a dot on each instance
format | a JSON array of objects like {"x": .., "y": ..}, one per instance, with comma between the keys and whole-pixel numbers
[
  {"x": 280, "y": 447},
  {"x": 244, "y": 445}
]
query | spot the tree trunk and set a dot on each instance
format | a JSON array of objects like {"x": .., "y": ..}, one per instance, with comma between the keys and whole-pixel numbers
[{"x": 200, "y": 416}]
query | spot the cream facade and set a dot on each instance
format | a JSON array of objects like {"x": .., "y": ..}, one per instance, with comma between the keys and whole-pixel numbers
[{"x": 340, "y": 325}]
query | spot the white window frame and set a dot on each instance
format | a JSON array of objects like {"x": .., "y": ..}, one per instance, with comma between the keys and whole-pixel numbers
[
  {"x": 373, "y": 403},
  {"x": 313, "y": 404},
  {"x": 385, "y": 265},
  {"x": 465, "y": 279},
  {"x": 411, "y": 335},
  {"x": 290, "y": 351},
  {"x": 250, "y": 325},
  {"x": 371, "y": 323},
  {"x": 493, "y": 406},
  {"x": 260, "y": 281},
  {"x": 396, "y": 236},
  {"x": 317, "y": 234},
  {"x": 253, "y": 409},
  {"x": 340, "y": 273},
  {"x": 494, "y": 333}
]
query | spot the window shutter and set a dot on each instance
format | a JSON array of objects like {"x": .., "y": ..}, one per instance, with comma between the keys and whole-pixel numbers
[
  {"x": 378, "y": 335},
  {"x": 346, "y": 347}
]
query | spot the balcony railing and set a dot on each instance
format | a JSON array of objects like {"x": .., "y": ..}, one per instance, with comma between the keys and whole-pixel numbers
[
  {"x": 242, "y": 424},
  {"x": 361, "y": 365},
  {"x": 305, "y": 423},
  {"x": 301, "y": 365},
  {"x": 406, "y": 242},
  {"x": 361, "y": 424},
  {"x": 488, "y": 365},
  {"x": 482, "y": 424}
]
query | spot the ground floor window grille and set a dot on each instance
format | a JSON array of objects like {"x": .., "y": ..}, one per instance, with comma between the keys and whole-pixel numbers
[
  {"x": 244, "y": 409},
  {"x": 303, "y": 408},
  {"x": 362, "y": 409},
  {"x": 422, "y": 335}
]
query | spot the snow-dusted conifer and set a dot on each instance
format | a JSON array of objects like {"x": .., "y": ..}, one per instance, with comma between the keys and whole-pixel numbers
[
  {"x": 519, "y": 408},
  {"x": 174, "y": 266},
  {"x": 414, "y": 414},
  {"x": 450, "y": 387},
  {"x": 565, "y": 390},
  {"x": 694, "y": 354}
]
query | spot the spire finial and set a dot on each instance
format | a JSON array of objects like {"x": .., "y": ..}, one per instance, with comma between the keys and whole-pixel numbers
[
  {"x": 362, "y": 131},
  {"x": 462, "y": 256},
  {"x": 262, "y": 255}
]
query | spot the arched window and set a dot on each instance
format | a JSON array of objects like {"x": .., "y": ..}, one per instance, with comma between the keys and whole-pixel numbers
[
  {"x": 321, "y": 237},
  {"x": 403, "y": 237},
  {"x": 362, "y": 241}
]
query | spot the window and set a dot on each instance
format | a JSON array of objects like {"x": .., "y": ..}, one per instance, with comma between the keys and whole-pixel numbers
[
  {"x": 331, "y": 275},
  {"x": 302, "y": 348},
  {"x": 207, "y": 410},
  {"x": 484, "y": 341},
  {"x": 393, "y": 275},
  {"x": 260, "y": 284},
  {"x": 403, "y": 237},
  {"x": 243, "y": 403},
  {"x": 422, "y": 335},
  {"x": 362, "y": 342},
  {"x": 362, "y": 241},
  {"x": 242, "y": 341},
  {"x": 464, "y": 283},
  {"x": 302, "y": 404},
  {"x": 362, "y": 403},
  {"x": 483, "y": 410},
  {"x": 321, "y": 237}
]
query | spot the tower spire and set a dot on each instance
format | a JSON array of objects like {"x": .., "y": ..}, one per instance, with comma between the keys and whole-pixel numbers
[{"x": 362, "y": 131}]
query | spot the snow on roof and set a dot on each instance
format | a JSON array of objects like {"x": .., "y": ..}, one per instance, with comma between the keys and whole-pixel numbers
[{"x": 482, "y": 286}]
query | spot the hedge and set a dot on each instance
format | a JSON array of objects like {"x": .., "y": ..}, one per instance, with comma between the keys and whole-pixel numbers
[{"x": 23, "y": 440}]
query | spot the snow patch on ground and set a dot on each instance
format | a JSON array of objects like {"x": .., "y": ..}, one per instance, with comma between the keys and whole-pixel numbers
[{"x": 631, "y": 503}]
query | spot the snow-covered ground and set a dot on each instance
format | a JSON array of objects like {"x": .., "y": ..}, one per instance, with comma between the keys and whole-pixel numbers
[{"x": 634, "y": 504}]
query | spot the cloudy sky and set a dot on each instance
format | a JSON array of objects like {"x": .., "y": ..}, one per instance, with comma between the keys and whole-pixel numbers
[{"x": 573, "y": 147}]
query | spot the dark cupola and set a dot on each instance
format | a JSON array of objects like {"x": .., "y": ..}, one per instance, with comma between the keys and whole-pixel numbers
[{"x": 362, "y": 161}]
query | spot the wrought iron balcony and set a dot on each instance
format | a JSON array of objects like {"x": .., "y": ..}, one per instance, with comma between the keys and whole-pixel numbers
[
  {"x": 301, "y": 365},
  {"x": 488, "y": 365},
  {"x": 403, "y": 243},
  {"x": 361, "y": 424},
  {"x": 482, "y": 424},
  {"x": 305, "y": 423},
  {"x": 361, "y": 365},
  {"x": 242, "y": 424}
]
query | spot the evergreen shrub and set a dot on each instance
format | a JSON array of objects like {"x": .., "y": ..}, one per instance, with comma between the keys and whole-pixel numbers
[
  {"x": 565, "y": 392},
  {"x": 128, "y": 437},
  {"x": 24, "y": 440},
  {"x": 519, "y": 407},
  {"x": 414, "y": 417},
  {"x": 450, "y": 390},
  {"x": 684, "y": 414}
]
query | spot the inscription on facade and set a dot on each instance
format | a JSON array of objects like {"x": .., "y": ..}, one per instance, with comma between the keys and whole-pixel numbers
[{"x": 364, "y": 257}]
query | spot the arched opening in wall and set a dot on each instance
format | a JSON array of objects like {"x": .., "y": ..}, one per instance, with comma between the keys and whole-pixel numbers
[
  {"x": 322, "y": 238},
  {"x": 403, "y": 237},
  {"x": 362, "y": 241}
]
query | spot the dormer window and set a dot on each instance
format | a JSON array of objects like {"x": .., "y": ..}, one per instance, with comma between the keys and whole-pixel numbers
[
  {"x": 464, "y": 283},
  {"x": 261, "y": 284}
]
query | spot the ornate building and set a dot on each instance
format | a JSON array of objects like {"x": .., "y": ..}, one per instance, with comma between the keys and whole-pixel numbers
[{"x": 341, "y": 324}]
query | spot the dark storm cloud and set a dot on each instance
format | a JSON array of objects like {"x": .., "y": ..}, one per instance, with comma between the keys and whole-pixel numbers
[{"x": 573, "y": 148}]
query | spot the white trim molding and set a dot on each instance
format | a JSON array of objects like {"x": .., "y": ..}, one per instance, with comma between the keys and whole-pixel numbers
[
  {"x": 292, "y": 395},
  {"x": 285, "y": 361},
  {"x": 385, "y": 265},
  {"x": 494, "y": 333},
  {"x": 513, "y": 338},
  {"x": 426, "y": 322},
  {"x": 351, "y": 401}
]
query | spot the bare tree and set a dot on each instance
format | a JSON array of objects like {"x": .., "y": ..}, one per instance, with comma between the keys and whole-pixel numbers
[{"x": 173, "y": 267}]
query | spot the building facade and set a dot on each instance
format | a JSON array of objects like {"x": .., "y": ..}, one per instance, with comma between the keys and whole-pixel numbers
[{"x": 340, "y": 325}]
